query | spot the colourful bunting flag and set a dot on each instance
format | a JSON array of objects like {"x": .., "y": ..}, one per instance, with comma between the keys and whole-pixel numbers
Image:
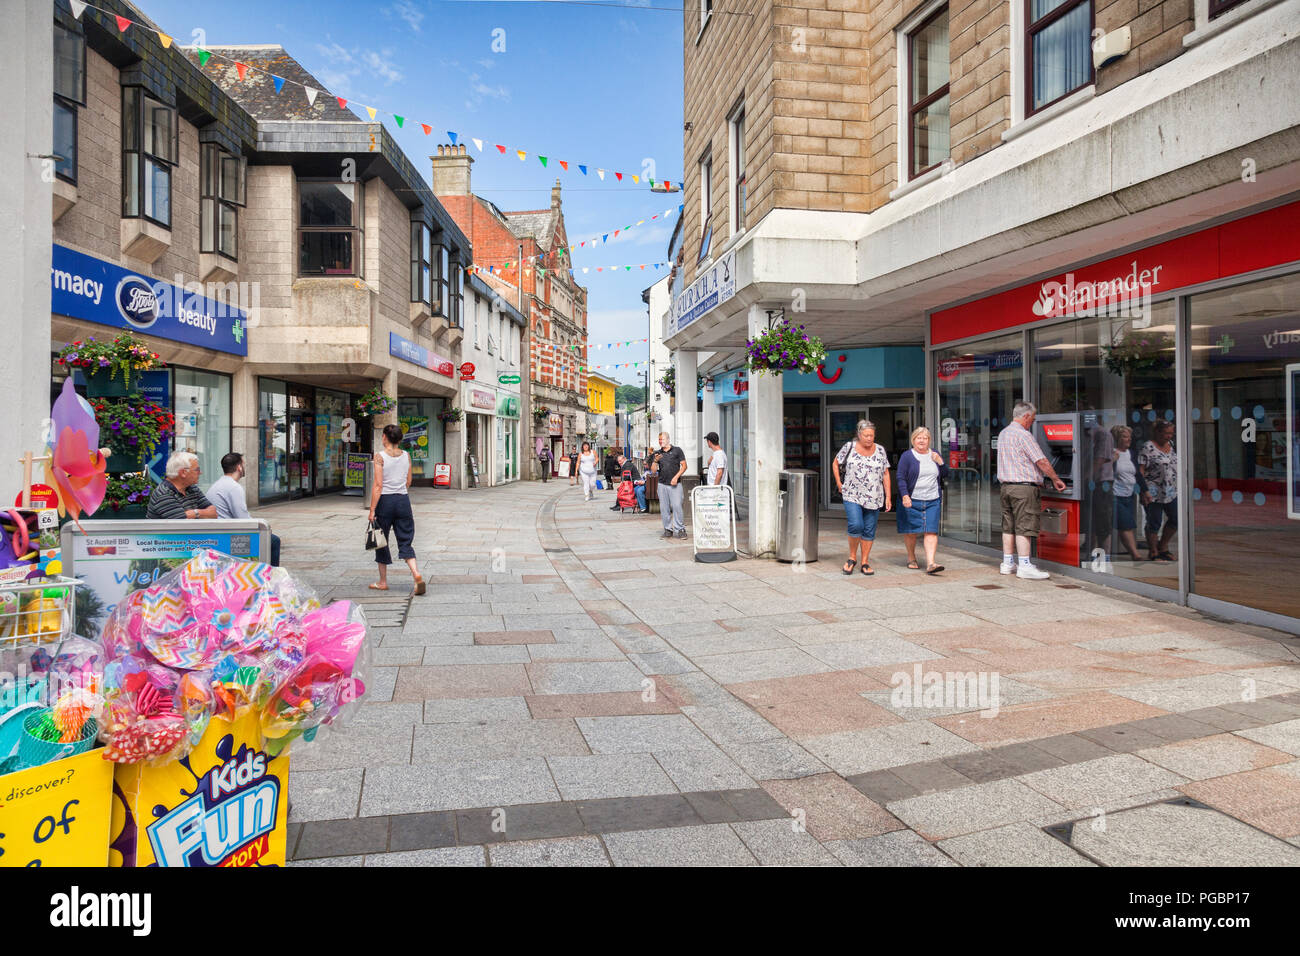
[
  {"x": 619, "y": 177},
  {"x": 279, "y": 83},
  {"x": 601, "y": 173},
  {"x": 521, "y": 154},
  {"x": 478, "y": 144},
  {"x": 165, "y": 40},
  {"x": 311, "y": 95},
  {"x": 203, "y": 57},
  {"x": 564, "y": 165},
  {"x": 542, "y": 160},
  {"x": 78, "y": 8},
  {"x": 371, "y": 111},
  {"x": 428, "y": 130},
  {"x": 399, "y": 120},
  {"x": 584, "y": 169},
  {"x": 452, "y": 137},
  {"x": 122, "y": 23},
  {"x": 241, "y": 69},
  {"x": 501, "y": 149},
  {"x": 343, "y": 104}
]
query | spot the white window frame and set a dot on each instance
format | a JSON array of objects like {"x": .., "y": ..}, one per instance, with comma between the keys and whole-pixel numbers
[
  {"x": 735, "y": 145},
  {"x": 1204, "y": 27},
  {"x": 706, "y": 206},
  {"x": 706, "y": 14}
]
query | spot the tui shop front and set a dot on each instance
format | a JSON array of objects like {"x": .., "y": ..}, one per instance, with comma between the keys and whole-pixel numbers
[{"x": 1167, "y": 382}]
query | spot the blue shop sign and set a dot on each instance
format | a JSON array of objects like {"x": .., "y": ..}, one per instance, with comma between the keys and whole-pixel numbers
[
  {"x": 409, "y": 351},
  {"x": 83, "y": 287}
]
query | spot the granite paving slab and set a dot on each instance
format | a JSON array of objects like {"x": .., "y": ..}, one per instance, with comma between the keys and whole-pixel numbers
[
  {"x": 899, "y": 848},
  {"x": 708, "y": 845},
  {"x": 1016, "y": 844},
  {"x": 570, "y": 851},
  {"x": 982, "y": 806},
  {"x": 879, "y": 748},
  {"x": 609, "y": 775},
  {"x": 448, "y": 743},
  {"x": 642, "y": 734},
  {"x": 453, "y": 786},
  {"x": 1094, "y": 782},
  {"x": 778, "y": 843}
]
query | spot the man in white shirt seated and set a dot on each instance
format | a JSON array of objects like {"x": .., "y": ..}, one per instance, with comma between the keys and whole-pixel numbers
[{"x": 227, "y": 494}]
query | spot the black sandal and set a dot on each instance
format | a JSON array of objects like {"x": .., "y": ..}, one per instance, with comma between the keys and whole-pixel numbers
[
  {"x": 913, "y": 566},
  {"x": 934, "y": 570},
  {"x": 851, "y": 566},
  {"x": 866, "y": 569}
]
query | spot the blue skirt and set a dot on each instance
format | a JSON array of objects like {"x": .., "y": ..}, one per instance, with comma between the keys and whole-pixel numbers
[{"x": 921, "y": 518}]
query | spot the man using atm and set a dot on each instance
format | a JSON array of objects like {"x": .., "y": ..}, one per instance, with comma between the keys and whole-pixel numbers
[{"x": 1020, "y": 461}]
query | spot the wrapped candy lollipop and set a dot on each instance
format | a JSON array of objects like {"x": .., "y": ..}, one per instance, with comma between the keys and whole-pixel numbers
[
  {"x": 71, "y": 711},
  {"x": 195, "y": 702},
  {"x": 142, "y": 722},
  {"x": 308, "y": 698}
]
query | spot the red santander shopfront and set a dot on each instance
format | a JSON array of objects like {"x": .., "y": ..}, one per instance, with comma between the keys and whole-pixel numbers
[{"x": 1192, "y": 342}]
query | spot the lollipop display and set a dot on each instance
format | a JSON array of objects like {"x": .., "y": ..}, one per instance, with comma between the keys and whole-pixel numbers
[{"x": 220, "y": 637}]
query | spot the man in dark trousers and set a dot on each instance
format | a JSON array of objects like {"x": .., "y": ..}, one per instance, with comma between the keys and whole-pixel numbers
[{"x": 672, "y": 465}]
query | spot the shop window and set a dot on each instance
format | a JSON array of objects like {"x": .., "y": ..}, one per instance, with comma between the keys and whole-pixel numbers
[
  {"x": 329, "y": 229},
  {"x": 738, "y": 178},
  {"x": 202, "y": 407},
  {"x": 1058, "y": 50},
  {"x": 69, "y": 93},
  {"x": 976, "y": 385},
  {"x": 149, "y": 152},
  {"x": 331, "y": 453},
  {"x": 272, "y": 430},
  {"x": 927, "y": 94},
  {"x": 1245, "y": 430},
  {"x": 1109, "y": 382},
  {"x": 421, "y": 264},
  {"x": 442, "y": 279},
  {"x": 221, "y": 178}
]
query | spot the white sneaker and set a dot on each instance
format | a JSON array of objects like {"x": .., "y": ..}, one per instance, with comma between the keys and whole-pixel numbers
[
  {"x": 1031, "y": 573},
  {"x": 1005, "y": 568}
]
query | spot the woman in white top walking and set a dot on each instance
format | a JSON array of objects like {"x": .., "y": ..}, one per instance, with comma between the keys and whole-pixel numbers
[
  {"x": 390, "y": 507},
  {"x": 587, "y": 470}
]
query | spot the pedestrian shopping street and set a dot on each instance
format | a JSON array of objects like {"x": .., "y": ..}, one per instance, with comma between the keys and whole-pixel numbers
[{"x": 575, "y": 689}]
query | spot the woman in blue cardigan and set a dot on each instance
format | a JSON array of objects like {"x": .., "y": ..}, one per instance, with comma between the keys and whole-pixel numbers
[{"x": 920, "y": 472}]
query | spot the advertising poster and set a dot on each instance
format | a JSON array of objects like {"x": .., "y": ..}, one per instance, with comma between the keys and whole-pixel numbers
[
  {"x": 223, "y": 805},
  {"x": 354, "y": 474},
  {"x": 111, "y": 564},
  {"x": 711, "y": 523},
  {"x": 415, "y": 439}
]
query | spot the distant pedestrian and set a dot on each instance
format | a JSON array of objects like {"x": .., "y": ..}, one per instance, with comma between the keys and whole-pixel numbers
[
  {"x": 544, "y": 461},
  {"x": 920, "y": 475},
  {"x": 1020, "y": 464},
  {"x": 672, "y": 465},
  {"x": 227, "y": 496},
  {"x": 390, "y": 507},
  {"x": 587, "y": 470},
  {"x": 861, "y": 470},
  {"x": 573, "y": 465}
]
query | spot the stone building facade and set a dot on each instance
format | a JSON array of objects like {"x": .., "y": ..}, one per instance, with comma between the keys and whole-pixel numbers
[{"x": 540, "y": 283}]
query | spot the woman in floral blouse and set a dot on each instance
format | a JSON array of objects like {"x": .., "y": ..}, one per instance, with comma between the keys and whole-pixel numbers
[
  {"x": 1159, "y": 463},
  {"x": 862, "y": 474}
]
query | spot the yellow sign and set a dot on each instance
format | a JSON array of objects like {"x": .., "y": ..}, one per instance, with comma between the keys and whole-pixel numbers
[
  {"x": 57, "y": 814},
  {"x": 226, "y": 804}
]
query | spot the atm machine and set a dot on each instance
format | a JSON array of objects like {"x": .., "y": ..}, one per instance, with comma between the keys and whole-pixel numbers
[{"x": 1060, "y": 436}]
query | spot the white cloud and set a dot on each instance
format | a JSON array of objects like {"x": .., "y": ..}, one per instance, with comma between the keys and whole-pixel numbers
[
  {"x": 381, "y": 63},
  {"x": 408, "y": 11}
]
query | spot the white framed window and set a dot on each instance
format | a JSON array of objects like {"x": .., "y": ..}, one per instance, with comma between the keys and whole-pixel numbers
[
  {"x": 736, "y": 148},
  {"x": 706, "y": 11},
  {"x": 1057, "y": 50},
  {"x": 927, "y": 142}
]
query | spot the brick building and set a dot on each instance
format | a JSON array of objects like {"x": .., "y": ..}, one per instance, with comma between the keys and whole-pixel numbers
[
  {"x": 543, "y": 288},
  {"x": 934, "y": 179}
]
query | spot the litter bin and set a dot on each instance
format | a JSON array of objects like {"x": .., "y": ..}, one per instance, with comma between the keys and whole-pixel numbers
[{"x": 797, "y": 504}]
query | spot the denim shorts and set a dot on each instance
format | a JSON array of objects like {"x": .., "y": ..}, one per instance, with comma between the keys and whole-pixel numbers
[
  {"x": 1126, "y": 512},
  {"x": 862, "y": 521},
  {"x": 921, "y": 518}
]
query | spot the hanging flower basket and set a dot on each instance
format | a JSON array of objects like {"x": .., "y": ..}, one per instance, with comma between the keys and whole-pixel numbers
[
  {"x": 450, "y": 415},
  {"x": 375, "y": 402},
  {"x": 1139, "y": 351},
  {"x": 785, "y": 347},
  {"x": 106, "y": 360},
  {"x": 127, "y": 493},
  {"x": 668, "y": 381},
  {"x": 541, "y": 413},
  {"x": 131, "y": 429}
]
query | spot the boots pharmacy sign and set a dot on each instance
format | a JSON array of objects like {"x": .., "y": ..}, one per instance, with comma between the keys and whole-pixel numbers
[
  {"x": 714, "y": 286},
  {"x": 83, "y": 287}
]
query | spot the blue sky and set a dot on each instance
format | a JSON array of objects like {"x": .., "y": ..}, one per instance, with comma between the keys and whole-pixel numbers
[{"x": 587, "y": 83}]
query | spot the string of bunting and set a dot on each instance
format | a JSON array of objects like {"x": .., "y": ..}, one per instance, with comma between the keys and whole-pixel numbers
[
  {"x": 482, "y": 145},
  {"x": 493, "y": 270},
  {"x": 604, "y": 238}
]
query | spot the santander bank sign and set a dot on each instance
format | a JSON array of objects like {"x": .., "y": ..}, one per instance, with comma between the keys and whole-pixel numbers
[{"x": 1126, "y": 295}]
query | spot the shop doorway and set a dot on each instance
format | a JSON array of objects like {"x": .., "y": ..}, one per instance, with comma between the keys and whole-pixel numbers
[
  {"x": 301, "y": 453},
  {"x": 893, "y": 433}
]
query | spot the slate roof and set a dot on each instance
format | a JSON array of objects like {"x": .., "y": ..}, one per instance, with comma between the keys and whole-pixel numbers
[
  {"x": 256, "y": 93},
  {"x": 536, "y": 224}
]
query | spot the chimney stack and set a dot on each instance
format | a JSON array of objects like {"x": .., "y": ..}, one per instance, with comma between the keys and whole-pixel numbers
[
  {"x": 555, "y": 195},
  {"x": 451, "y": 170}
]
